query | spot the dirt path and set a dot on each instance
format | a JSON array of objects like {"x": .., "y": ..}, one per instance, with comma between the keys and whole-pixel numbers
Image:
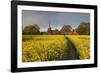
[{"x": 72, "y": 54}]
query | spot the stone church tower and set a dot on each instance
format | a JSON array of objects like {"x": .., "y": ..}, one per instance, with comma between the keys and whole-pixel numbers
[{"x": 49, "y": 30}]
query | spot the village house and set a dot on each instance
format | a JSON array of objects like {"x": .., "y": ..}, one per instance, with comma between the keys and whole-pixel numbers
[{"x": 56, "y": 31}]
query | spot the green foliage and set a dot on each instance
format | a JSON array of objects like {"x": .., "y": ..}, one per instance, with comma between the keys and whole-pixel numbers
[
  {"x": 84, "y": 28},
  {"x": 65, "y": 29},
  {"x": 31, "y": 29},
  {"x": 36, "y": 26}
]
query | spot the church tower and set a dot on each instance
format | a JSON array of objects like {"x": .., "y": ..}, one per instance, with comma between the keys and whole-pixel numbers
[{"x": 49, "y": 29}]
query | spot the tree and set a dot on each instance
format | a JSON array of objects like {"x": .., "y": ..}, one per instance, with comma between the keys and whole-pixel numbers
[
  {"x": 31, "y": 29},
  {"x": 84, "y": 28},
  {"x": 36, "y": 26},
  {"x": 74, "y": 32},
  {"x": 66, "y": 29}
]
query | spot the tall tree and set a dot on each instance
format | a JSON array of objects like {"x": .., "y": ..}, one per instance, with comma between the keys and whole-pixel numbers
[
  {"x": 66, "y": 29},
  {"x": 31, "y": 29},
  {"x": 84, "y": 28},
  {"x": 36, "y": 26}
]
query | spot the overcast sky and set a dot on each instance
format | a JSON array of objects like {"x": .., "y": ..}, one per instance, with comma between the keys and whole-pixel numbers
[{"x": 56, "y": 19}]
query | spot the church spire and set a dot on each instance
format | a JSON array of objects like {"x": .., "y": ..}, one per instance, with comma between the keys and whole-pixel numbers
[
  {"x": 49, "y": 26},
  {"x": 49, "y": 29}
]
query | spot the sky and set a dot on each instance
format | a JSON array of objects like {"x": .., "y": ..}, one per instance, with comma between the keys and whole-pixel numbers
[{"x": 55, "y": 19}]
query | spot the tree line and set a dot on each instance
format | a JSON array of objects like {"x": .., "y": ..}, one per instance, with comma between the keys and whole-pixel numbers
[{"x": 82, "y": 29}]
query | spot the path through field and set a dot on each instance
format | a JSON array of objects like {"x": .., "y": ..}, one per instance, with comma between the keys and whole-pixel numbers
[
  {"x": 48, "y": 48},
  {"x": 72, "y": 53}
]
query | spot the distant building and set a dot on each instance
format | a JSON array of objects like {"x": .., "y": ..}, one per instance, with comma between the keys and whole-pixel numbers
[
  {"x": 56, "y": 31},
  {"x": 50, "y": 31},
  {"x": 74, "y": 32}
]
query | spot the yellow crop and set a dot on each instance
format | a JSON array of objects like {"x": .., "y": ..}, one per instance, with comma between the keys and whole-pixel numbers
[
  {"x": 82, "y": 44},
  {"x": 53, "y": 47},
  {"x": 43, "y": 47}
]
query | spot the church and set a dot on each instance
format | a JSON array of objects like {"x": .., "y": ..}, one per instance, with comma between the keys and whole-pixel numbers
[{"x": 50, "y": 31}]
